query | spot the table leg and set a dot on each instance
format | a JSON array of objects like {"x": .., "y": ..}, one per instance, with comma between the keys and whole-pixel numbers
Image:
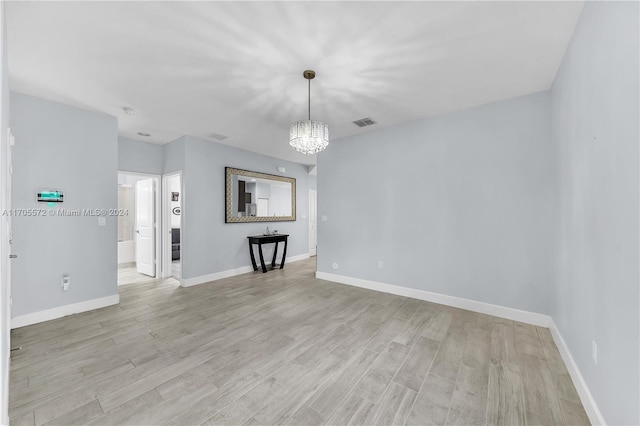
[
  {"x": 253, "y": 258},
  {"x": 264, "y": 268},
  {"x": 275, "y": 252},
  {"x": 284, "y": 254}
]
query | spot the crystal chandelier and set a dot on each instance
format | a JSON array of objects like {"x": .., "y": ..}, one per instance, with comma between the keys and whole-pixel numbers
[{"x": 307, "y": 136}]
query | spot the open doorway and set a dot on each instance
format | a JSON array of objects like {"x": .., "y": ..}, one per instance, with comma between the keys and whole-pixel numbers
[
  {"x": 138, "y": 233},
  {"x": 173, "y": 201}
]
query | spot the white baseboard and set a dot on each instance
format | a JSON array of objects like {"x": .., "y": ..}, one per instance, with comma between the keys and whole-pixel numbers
[
  {"x": 443, "y": 299},
  {"x": 188, "y": 282},
  {"x": 63, "y": 311},
  {"x": 590, "y": 406},
  {"x": 292, "y": 259}
]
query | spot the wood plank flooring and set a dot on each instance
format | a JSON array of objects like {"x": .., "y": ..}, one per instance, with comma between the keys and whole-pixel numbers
[{"x": 285, "y": 348}]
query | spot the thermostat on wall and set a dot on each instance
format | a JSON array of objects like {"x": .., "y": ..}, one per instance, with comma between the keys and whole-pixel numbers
[{"x": 50, "y": 196}]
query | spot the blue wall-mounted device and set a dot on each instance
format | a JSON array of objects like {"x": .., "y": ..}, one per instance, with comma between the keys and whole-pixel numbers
[{"x": 50, "y": 196}]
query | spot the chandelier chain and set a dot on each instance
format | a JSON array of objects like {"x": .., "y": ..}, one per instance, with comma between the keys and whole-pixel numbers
[{"x": 309, "y": 98}]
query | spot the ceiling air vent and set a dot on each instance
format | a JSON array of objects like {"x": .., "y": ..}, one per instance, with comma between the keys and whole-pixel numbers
[
  {"x": 218, "y": 136},
  {"x": 364, "y": 122}
]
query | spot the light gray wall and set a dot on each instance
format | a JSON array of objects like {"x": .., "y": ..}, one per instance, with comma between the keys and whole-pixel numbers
[
  {"x": 458, "y": 204},
  {"x": 130, "y": 179},
  {"x": 173, "y": 155},
  {"x": 209, "y": 244},
  {"x": 76, "y": 151},
  {"x": 202, "y": 165},
  {"x": 141, "y": 157},
  {"x": 595, "y": 127}
]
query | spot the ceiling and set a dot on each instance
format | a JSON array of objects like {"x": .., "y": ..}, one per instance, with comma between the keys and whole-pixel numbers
[{"x": 235, "y": 68}]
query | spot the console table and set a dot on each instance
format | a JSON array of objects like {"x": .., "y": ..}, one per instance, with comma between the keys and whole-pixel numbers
[{"x": 265, "y": 239}]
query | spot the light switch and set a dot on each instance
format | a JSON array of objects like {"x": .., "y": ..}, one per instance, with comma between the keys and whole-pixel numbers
[
  {"x": 102, "y": 221},
  {"x": 324, "y": 218}
]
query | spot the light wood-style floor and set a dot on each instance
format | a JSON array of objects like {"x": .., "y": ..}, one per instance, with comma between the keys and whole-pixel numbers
[
  {"x": 285, "y": 348},
  {"x": 128, "y": 274}
]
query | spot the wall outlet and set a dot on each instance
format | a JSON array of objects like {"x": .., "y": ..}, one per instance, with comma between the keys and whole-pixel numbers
[
  {"x": 380, "y": 264},
  {"x": 594, "y": 351},
  {"x": 66, "y": 280},
  {"x": 102, "y": 221}
]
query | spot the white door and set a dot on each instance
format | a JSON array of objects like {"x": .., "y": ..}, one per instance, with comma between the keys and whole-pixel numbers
[
  {"x": 313, "y": 221},
  {"x": 6, "y": 142},
  {"x": 145, "y": 232}
]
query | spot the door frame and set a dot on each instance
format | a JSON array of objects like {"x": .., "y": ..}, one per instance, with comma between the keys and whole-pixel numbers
[
  {"x": 6, "y": 143},
  {"x": 5, "y": 248},
  {"x": 158, "y": 215},
  {"x": 314, "y": 251},
  {"x": 166, "y": 224}
]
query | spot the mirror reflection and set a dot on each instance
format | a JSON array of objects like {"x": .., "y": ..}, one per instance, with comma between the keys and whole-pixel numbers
[{"x": 259, "y": 197}]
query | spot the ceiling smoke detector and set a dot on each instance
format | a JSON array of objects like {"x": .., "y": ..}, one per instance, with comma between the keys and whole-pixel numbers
[
  {"x": 144, "y": 134},
  {"x": 218, "y": 136},
  {"x": 364, "y": 122},
  {"x": 129, "y": 111}
]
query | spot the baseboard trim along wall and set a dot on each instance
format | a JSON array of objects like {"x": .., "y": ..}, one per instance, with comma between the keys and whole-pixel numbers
[
  {"x": 532, "y": 318},
  {"x": 456, "y": 302},
  {"x": 590, "y": 406},
  {"x": 188, "y": 282},
  {"x": 89, "y": 305},
  {"x": 63, "y": 311}
]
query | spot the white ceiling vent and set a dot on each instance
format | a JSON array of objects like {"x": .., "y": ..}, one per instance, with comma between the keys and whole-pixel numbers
[
  {"x": 218, "y": 136},
  {"x": 364, "y": 122}
]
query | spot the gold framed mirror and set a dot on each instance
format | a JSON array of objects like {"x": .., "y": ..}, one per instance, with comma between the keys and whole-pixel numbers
[{"x": 258, "y": 197}]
